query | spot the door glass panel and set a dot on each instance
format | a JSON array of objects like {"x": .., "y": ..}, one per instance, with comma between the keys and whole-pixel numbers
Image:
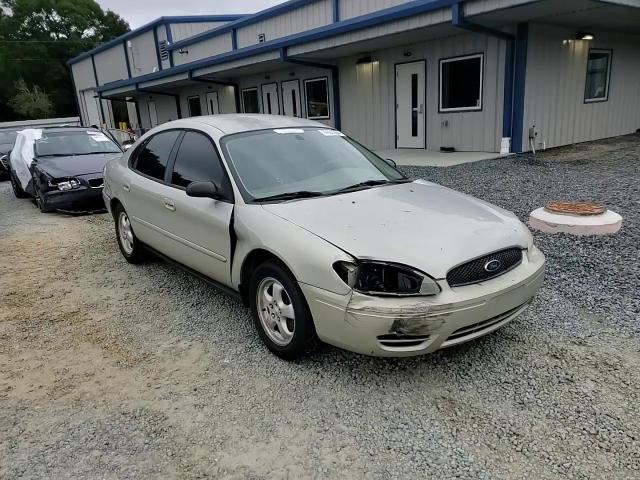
[
  {"x": 269, "y": 102},
  {"x": 194, "y": 106},
  {"x": 414, "y": 105},
  {"x": 294, "y": 103},
  {"x": 197, "y": 161},
  {"x": 250, "y": 101},
  {"x": 154, "y": 156}
]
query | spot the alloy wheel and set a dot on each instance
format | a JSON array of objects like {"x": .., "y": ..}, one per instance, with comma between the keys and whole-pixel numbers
[
  {"x": 125, "y": 233},
  {"x": 275, "y": 311}
]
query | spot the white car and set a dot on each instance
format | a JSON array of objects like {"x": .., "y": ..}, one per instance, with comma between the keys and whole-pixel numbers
[{"x": 321, "y": 238}]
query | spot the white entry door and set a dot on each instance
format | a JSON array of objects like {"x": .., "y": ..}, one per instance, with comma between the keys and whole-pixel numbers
[
  {"x": 291, "y": 98},
  {"x": 270, "y": 103},
  {"x": 410, "y": 105},
  {"x": 153, "y": 114},
  {"x": 212, "y": 103}
]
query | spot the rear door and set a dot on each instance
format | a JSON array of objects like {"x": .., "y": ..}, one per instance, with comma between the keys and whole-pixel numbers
[
  {"x": 199, "y": 227},
  {"x": 213, "y": 107},
  {"x": 146, "y": 190}
]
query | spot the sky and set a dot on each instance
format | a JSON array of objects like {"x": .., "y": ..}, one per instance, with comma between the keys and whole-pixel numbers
[{"x": 139, "y": 12}]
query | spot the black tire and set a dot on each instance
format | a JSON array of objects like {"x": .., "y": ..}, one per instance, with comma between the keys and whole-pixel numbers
[
  {"x": 304, "y": 333},
  {"x": 135, "y": 254},
  {"x": 39, "y": 200},
  {"x": 17, "y": 189}
]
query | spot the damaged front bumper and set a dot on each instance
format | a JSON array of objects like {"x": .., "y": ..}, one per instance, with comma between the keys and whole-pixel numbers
[{"x": 404, "y": 326}]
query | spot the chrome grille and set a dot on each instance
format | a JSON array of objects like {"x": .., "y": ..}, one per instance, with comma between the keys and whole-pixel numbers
[{"x": 476, "y": 270}]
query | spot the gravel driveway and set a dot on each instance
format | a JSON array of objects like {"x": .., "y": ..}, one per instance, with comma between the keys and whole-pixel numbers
[{"x": 109, "y": 370}]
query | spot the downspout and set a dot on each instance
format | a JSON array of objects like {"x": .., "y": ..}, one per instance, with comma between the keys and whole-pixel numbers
[
  {"x": 335, "y": 80},
  {"x": 95, "y": 76},
  {"x": 458, "y": 20}
]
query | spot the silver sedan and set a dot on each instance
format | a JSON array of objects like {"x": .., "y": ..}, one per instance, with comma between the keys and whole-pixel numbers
[{"x": 319, "y": 237}]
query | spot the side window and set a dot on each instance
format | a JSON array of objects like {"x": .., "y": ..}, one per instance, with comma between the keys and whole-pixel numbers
[
  {"x": 197, "y": 161},
  {"x": 153, "y": 158}
]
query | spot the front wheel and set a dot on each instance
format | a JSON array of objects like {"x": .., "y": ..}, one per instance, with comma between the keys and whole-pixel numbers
[
  {"x": 130, "y": 247},
  {"x": 280, "y": 312},
  {"x": 44, "y": 208}
]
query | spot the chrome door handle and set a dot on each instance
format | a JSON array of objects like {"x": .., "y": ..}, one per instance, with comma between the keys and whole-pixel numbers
[
  {"x": 169, "y": 205},
  {"x": 126, "y": 188}
]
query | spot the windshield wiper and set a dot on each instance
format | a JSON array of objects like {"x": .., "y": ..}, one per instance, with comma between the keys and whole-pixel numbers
[
  {"x": 290, "y": 196},
  {"x": 372, "y": 183}
]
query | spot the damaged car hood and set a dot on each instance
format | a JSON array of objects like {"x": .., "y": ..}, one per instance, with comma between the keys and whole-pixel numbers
[
  {"x": 419, "y": 224},
  {"x": 73, "y": 165}
]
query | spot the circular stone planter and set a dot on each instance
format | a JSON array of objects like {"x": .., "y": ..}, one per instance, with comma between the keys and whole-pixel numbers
[{"x": 604, "y": 224}]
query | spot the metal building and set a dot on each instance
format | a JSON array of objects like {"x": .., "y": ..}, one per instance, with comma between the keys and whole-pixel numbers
[{"x": 472, "y": 75}]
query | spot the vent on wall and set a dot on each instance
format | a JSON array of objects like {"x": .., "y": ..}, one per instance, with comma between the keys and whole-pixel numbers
[
  {"x": 261, "y": 38},
  {"x": 164, "y": 51}
]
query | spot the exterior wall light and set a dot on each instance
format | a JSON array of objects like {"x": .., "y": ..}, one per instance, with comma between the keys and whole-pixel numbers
[{"x": 584, "y": 36}]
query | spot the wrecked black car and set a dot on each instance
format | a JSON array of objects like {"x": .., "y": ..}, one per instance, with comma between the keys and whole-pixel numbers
[
  {"x": 7, "y": 139},
  {"x": 61, "y": 168}
]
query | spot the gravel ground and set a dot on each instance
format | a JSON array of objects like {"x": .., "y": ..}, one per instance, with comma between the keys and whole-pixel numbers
[{"x": 109, "y": 370}]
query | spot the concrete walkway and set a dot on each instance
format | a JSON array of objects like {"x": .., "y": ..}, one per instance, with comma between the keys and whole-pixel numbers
[{"x": 428, "y": 158}]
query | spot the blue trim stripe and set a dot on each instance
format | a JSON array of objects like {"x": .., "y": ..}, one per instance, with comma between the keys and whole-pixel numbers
[
  {"x": 95, "y": 76},
  {"x": 352, "y": 24},
  {"x": 522, "y": 40},
  {"x": 169, "y": 35},
  {"x": 148, "y": 26},
  {"x": 234, "y": 39},
  {"x": 336, "y": 11}
]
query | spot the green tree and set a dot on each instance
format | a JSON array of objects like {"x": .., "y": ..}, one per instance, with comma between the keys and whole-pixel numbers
[
  {"x": 37, "y": 37},
  {"x": 31, "y": 103}
]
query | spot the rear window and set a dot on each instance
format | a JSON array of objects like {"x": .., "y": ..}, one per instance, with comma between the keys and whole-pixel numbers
[{"x": 55, "y": 144}]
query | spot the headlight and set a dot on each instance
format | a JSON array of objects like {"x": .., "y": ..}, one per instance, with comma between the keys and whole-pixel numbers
[
  {"x": 65, "y": 185},
  {"x": 384, "y": 278}
]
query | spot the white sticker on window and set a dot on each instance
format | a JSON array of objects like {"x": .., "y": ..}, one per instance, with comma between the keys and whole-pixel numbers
[
  {"x": 100, "y": 137},
  {"x": 331, "y": 133},
  {"x": 289, "y": 130}
]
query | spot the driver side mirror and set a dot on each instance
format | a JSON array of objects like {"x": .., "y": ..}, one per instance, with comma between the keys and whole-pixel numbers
[
  {"x": 203, "y": 190},
  {"x": 391, "y": 162}
]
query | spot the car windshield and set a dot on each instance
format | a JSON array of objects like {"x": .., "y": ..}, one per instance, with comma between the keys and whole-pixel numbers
[
  {"x": 8, "y": 137},
  {"x": 282, "y": 163},
  {"x": 56, "y": 144}
]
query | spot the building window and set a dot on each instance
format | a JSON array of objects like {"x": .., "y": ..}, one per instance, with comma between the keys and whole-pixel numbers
[
  {"x": 317, "y": 93},
  {"x": 461, "y": 83},
  {"x": 598, "y": 76},
  {"x": 250, "y": 102},
  {"x": 195, "y": 109}
]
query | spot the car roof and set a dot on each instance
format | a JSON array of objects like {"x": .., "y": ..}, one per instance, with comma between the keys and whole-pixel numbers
[{"x": 246, "y": 122}]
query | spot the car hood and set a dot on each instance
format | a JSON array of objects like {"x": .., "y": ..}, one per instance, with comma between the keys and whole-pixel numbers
[
  {"x": 74, "y": 165},
  {"x": 420, "y": 224}
]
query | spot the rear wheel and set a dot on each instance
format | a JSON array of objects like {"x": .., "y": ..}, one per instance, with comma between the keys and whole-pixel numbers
[
  {"x": 130, "y": 247},
  {"x": 15, "y": 185},
  {"x": 280, "y": 312}
]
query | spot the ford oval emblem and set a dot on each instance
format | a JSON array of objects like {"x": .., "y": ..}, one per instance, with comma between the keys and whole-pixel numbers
[{"x": 492, "y": 265}]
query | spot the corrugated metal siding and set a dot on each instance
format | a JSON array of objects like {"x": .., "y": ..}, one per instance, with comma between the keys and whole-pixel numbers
[
  {"x": 355, "y": 8},
  {"x": 367, "y": 94},
  {"x": 142, "y": 54},
  {"x": 411, "y": 23},
  {"x": 180, "y": 31},
  {"x": 556, "y": 75},
  {"x": 317, "y": 14},
  {"x": 206, "y": 48},
  {"x": 83, "y": 74},
  {"x": 111, "y": 65}
]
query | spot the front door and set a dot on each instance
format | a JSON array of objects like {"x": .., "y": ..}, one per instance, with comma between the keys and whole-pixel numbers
[
  {"x": 410, "y": 102},
  {"x": 212, "y": 103},
  {"x": 270, "y": 102},
  {"x": 291, "y": 98}
]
